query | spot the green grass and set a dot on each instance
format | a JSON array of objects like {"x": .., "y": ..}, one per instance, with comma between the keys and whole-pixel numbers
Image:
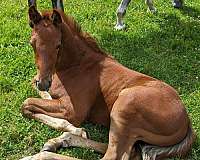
[{"x": 164, "y": 45}]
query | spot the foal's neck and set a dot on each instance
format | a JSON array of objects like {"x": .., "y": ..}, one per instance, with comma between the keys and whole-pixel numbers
[{"x": 73, "y": 49}]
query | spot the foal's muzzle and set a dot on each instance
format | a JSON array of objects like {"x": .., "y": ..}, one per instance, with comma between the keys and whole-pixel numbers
[{"x": 43, "y": 85}]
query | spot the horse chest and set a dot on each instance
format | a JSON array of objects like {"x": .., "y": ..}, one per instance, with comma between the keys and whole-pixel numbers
[{"x": 82, "y": 90}]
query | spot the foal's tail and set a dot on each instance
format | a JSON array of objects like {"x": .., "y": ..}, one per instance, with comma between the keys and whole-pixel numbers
[{"x": 151, "y": 152}]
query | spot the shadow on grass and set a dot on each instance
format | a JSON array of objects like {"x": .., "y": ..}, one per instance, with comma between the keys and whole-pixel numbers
[
  {"x": 190, "y": 11},
  {"x": 169, "y": 53}
]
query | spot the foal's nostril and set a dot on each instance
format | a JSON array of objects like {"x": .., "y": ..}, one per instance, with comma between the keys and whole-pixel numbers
[
  {"x": 36, "y": 83},
  {"x": 43, "y": 85},
  {"x": 50, "y": 84}
]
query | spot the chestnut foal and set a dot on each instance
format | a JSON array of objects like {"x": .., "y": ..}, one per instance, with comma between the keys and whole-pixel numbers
[{"x": 86, "y": 84}]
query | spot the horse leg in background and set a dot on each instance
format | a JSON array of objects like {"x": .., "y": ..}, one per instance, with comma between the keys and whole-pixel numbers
[
  {"x": 177, "y": 3},
  {"x": 151, "y": 7},
  {"x": 120, "y": 14},
  {"x": 57, "y": 4}
]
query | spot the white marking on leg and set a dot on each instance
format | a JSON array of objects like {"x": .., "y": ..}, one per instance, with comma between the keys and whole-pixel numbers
[
  {"x": 44, "y": 95},
  {"x": 57, "y": 123},
  {"x": 69, "y": 140},
  {"x": 120, "y": 14},
  {"x": 60, "y": 124}
]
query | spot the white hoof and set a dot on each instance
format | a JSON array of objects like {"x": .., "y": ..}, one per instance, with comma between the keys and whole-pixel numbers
[
  {"x": 80, "y": 132},
  {"x": 152, "y": 10},
  {"x": 119, "y": 26}
]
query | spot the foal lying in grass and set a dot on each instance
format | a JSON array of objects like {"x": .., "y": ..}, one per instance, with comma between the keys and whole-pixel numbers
[{"x": 85, "y": 84}]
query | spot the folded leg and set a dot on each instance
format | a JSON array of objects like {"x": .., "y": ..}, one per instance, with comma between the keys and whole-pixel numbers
[
  {"x": 70, "y": 140},
  {"x": 48, "y": 156},
  {"x": 66, "y": 140},
  {"x": 51, "y": 112}
]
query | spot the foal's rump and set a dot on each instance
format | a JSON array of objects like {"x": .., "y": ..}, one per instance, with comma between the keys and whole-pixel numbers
[
  {"x": 153, "y": 152},
  {"x": 160, "y": 120},
  {"x": 171, "y": 134}
]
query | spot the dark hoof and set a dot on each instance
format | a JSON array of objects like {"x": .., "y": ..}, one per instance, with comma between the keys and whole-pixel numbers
[{"x": 177, "y": 4}]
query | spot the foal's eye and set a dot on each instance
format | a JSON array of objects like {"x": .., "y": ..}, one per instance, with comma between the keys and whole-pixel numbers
[
  {"x": 58, "y": 46},
  {"x": 31, "y": 43}
]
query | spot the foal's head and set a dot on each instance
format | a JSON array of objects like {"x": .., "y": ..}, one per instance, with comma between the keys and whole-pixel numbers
[{"x": 46, "y": 42}]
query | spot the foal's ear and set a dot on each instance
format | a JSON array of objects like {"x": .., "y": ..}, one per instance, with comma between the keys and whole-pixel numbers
[
  {"x": 56, "y": 17},
  {"x": 34, "y": 16}
]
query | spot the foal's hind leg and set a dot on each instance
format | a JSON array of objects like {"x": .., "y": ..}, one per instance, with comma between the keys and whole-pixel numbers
[
  {"x": 120, "y": 14},
  {"x": 48, "y": 156},
  {"x": 66, "y": 140},
  {"x": 69, "y": 140},
  {"x": 121, "y": 135},
  {"x": 120, "y": 145}
]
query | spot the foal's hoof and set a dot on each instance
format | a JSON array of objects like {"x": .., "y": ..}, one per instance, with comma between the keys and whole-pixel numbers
[
  {"x": 28, "y": 158},
  {"x": 120, "y": 26},
  {"x": 48, "y": 147},
  {"x": 80, "y": 132},
  {"x": 177, "y": 4}
]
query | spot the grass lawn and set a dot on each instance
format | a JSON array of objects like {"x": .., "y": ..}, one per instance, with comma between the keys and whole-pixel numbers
[{"x": 164, "y": 45}]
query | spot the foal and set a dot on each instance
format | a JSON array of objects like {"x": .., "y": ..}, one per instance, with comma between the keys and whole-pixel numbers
[{"x": 88, "y": 85}]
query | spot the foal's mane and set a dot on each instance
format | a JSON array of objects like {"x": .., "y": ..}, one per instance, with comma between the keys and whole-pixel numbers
[{"x": 76, "y": 28}]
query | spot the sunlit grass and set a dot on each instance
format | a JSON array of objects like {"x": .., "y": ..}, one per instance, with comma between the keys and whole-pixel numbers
[{"x": 164, "y": 45}]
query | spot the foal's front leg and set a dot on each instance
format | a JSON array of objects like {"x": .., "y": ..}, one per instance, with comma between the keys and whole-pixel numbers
[
  {"x": 120, "y": 14},
  {"x": 50, "y": 112}
]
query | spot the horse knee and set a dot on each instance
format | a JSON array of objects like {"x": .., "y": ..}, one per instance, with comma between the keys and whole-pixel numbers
[
  {"x": 27, "y": 102},
  {"x": 27, "y": 108},
  {"x": 26, "y": 111}
]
